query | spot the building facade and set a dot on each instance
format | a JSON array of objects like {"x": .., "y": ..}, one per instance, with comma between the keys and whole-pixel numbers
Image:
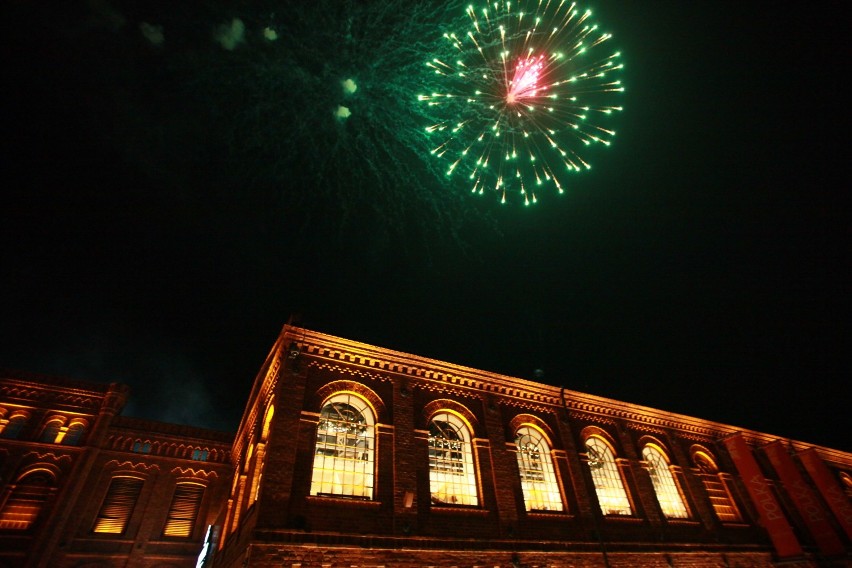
[
  {"x": 350, "y": 455},
  {"x": 83, "y": 486},
  {"x": 353, "y": 455}
]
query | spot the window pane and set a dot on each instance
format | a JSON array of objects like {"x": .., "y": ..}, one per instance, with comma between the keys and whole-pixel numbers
[
  {"x": 665, "y": 486},
  {"x": 452, "y": 477},
  {"x": 344, "y": 454},
  {"x": 608, "y": 484},
  {"x": 538, "y": 480}
]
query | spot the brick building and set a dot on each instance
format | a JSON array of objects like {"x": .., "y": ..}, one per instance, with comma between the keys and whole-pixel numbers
[
  {"x": 83, "y": 486},
  {"x": 353, "y": 455},
  {"x": 350, "y": 455}
]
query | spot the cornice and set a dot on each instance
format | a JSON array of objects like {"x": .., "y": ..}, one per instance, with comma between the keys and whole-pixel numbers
[{"x": 360, "y": 359}]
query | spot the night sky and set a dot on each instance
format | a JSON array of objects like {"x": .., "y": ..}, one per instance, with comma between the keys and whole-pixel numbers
[{"x": 167, "y": 207}]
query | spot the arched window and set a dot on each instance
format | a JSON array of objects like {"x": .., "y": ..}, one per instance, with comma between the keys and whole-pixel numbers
[
  {"x": 452, "y": 476},
  {"x": 665, "y": 486},
  {"x": 715, "y": 486},
  {"x": 609, "y": 487},
  {"x": 27, "y": 499},
  {"x": 345, "y": 452},
  {"x": 74, "y": 435},
  {"x": 50, "y": 431},
  {"x": 538, "y": 480}
]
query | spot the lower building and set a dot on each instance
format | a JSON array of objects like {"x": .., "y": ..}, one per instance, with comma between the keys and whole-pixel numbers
[
  {"x": 83, "y": 486},
  {"x": 350, "y": 455}
]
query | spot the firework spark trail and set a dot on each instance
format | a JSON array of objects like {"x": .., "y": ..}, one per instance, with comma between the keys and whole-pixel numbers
[{"x": 518, "y": 96}]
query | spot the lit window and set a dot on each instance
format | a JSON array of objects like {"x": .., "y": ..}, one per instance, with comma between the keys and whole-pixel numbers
[
  {"x": 345, "y": 452},
  {"x": 184, "y": 509},
  {"x": 199, "y": 455},
  {"x": 716, "y": 489},
  {"x": 118, "y": 505},
  {"x": 538, "y": 480},
  {"x": 75, "y": 434},
  {"x": 26, "y": 501},
  {"x": 609, "y": 486},
  {"x": 665, "y": 486},
  {"x": 13, "y": 429},
  {"x": 452, "y": 477}
]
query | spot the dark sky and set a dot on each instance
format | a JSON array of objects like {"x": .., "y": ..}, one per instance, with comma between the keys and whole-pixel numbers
[{"x": 166, "y": 208}]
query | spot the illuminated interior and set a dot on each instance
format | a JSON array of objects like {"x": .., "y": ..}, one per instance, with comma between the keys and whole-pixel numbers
[
  {"x": 452, "y": 476},
  {"x": 665, "y": 486},
  {"x": 609, "y": 486},
  {"x": 344, "y": 457},
  {"x": 538, "y": 480}
]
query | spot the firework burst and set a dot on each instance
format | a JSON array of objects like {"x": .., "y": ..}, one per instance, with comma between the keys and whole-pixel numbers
[{"x": 516, "y": 100}]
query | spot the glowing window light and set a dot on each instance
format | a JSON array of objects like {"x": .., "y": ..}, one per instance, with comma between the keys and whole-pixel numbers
[
  {"x": 452, "y": 476},
  {"x": 538, "y": 479},
  {"x": 344, "y": 457},
  {"x": 665, "y": 486},
  {"x": 609, "y": 486}
]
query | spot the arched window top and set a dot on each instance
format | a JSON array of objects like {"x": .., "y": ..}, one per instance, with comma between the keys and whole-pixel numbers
[
  {"x": 665, "y": 485},
  {"x": 37, "y": 476},
  {"x": 449, "y": 426},
  {"x": 538, "y": 478},
  {"x": 704, "y": 461},
  {"x": 348, "y": 407}
]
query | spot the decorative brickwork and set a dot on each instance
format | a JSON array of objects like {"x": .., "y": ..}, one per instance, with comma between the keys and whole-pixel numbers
[{"x": 403, "y": 525}]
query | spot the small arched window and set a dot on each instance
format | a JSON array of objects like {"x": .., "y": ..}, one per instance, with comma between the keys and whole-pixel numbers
[
  {"x": 715, "y": 486},
  {"x": 14, "y": 427},
  {"x": 74, "y": 435},
  {"x": 345, "y": 450},
  {"x": 452, "y": 475},
  {"x": 50, "y": 431},
  {"x": 538, "y": 479},
  {"x": 609, "y": 486},
  {"x": 665, "y": 485}
]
